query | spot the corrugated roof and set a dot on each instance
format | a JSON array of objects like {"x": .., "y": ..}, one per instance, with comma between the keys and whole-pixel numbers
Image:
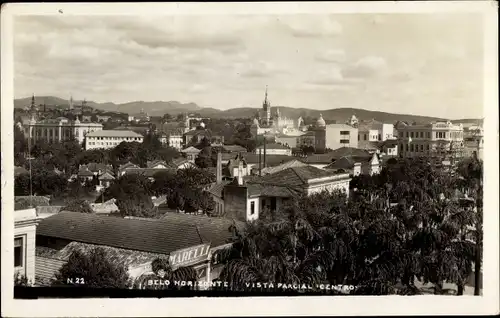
[
  {"x": 114, "y": 133},
  {"x": 154, "y": 236}
]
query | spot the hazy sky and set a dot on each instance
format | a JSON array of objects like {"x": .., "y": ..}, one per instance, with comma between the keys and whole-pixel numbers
[{"x": 425, "y": 64}]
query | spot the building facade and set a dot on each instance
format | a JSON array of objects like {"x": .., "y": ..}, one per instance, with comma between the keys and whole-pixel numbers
[
  {"x": 25, "y": 222},
  {"x": 60, "y": 129},
  {"x": 335, "y": 136},
  {"x": 375, "y": 131},
  {"x": 107, "y": 139},
  {"x": 274, "y": 149},
  {"x": 434, "y": 139}
]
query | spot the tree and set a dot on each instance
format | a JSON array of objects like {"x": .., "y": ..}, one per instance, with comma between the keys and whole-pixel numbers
[
  {"x": 204, "y": 158},
  {"x": 78, "y": 205},
  {"x": 20, "y": 146},
  {"x": 133, "y": 196},
  {"x": 22, "y": 185},
  {"x": 94, "y": 268}
]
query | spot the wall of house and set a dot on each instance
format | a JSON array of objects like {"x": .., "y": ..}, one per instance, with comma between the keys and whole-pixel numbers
[
  {"x": 235, "y": 202},
  {"x": 219, "y": 205},
  {"x": 252, "y": 215},
  {"x": 287, "y": 140},
  {"x": 25, "y": 228}
]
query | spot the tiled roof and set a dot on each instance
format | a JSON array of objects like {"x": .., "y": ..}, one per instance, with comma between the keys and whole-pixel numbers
[
  {"x": 95, "y": 167},
  {"x": 318, "y": 158},
  {"x": 154, "y": 236},
  {"x": 256, "y": 189},
  {"x": 191, "y": 149},
  {"x": 128, "y": 165},
  {"x": 85, "y": 173},
  {"x": 178, "y": 161},
  {"x": 369, "y": 125},
  {"x": 19, "y": 171},
  {"x": 283, "y": 166},
  {"x": 114, "y": 133},
  {"x": 342, "y": 163},
  {"x": 218, "y": 189},
  {"x": 46, "y": 268},
  {"x": 362, "y": 144},
  {"x": 197, "y": 132},
  {"x": 273, "y": 146},
  {"x": 212, "y": 229},
  {"x": 106, "y": 176},
  {"x": 147, "y": 172},
  {"x": 151, "y": 164},
  {"x": 296, "y": 176},
  {"x": 233, "y": 148},
  {"x": 347, "y": 152},
  {"x": 23, "y": 202}
]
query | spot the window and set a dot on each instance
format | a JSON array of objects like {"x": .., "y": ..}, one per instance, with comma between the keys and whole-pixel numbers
[
  {"x": 344, "y": 132},
  {"x": 18, "y": 252},
  {"x": 379, "y": 137},
  {"x": 421, "y": 148},
  {"x": 252, "y": 208},
  {"x": 364, "y": 138},
  {"x": 428, "y": 147},
  {"x": 344, "y": 141},
  {"x": 411, "y": 134},
  {"x": 411, "y": 148}
]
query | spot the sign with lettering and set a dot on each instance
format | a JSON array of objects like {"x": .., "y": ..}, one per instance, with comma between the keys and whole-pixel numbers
[{"x": 189, "y": 256}]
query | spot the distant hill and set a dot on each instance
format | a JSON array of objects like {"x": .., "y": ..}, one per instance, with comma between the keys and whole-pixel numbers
[{"x": 159, "y": 108}]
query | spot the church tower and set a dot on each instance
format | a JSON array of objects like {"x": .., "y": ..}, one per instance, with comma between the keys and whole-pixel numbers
[
  {"x": 70, "y": 102},
  {"x": 267, "y": 109}
]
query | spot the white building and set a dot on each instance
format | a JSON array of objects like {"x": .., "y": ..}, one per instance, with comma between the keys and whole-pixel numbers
[
  {"x": 275, "y": 149},
  {"x": 431, "y": 139},
  {"x": 334, "y": 136},
  {"x": 375, "y": 131},
  {"x": 106, "y": 139},
  {"x": 173, "y": 139},
  {"x": 60, "y": 129},
  {"x": 25, "y": 222}
]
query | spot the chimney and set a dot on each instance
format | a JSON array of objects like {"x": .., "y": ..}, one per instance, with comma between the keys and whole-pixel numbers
[
  {"x": 219, "y": 167},
  {"x": 240, "y": 173}
]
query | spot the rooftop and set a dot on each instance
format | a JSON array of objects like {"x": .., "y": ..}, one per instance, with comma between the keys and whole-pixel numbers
[
  {"x": 154, "y": 236},
  {"x": 273, "y": 146},
  {"x": 217, "y": 188},
  {"x": 295, "y": 176},
  {"x": 233, "y": 148},
  {"x": 191, "y": 149},
  {"x": 257, "y": 189},
  {"x": 283, "y": 166},
  {"x": 114, "y": 133}
]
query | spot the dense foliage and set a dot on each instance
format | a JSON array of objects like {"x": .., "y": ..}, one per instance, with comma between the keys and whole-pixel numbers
[
  {"x": 404, "y": 226},
  {"x": 94, "y": 268}
]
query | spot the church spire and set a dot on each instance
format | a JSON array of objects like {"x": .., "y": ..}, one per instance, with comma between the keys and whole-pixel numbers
[
  {"x": 33, "y": 102},
  {"x": 265, "y": 98}
]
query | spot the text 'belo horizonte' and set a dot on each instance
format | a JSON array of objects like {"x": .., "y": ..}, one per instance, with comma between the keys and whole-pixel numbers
[{"x": 269, "y": 285}]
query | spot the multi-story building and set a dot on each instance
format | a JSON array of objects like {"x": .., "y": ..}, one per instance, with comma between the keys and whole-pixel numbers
[
  {"x": 59, "y": 129},
  {"x": 375, "y": 131},
  {"x": 334, "y": 136},
  {"x": 173, "y": 138},
  {"x": 105, "y": 139},
  {"x": 474, "y": 141},
  {"x": 434, "y": 139}
]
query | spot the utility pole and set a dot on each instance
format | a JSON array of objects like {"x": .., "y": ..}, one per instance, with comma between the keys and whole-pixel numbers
[{"x": 29, "y": 160}]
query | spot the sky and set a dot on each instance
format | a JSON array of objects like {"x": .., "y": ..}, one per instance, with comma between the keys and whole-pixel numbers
[{"x": 423, "y": 64}]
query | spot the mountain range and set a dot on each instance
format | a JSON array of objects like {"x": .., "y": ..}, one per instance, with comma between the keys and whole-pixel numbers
[{"x": 159, "y": 108}]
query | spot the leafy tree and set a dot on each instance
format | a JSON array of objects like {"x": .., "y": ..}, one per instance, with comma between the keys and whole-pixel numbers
[
  {"x": 162, "y": 270},
  {"x": 204, "y": 158},
  {"x": 133, "y": 196},
  {"x": 22, "y": 185},
  {"x": 20, "y": 146},
  {"x": 21, "y": 280},
  {"x": 78, "y": 205},
  {"x": 95, "y": 268}
]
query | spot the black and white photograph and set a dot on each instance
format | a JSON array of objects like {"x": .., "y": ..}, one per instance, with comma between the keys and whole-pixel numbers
[{"x": 234, "y": 152}]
